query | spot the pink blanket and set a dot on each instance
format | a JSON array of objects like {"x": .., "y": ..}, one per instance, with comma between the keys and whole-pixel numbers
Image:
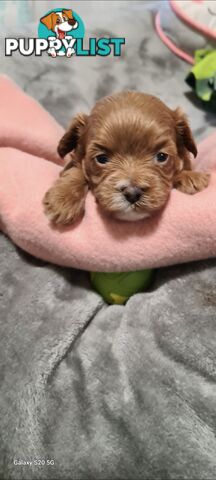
[{"x": 185, "y": 231}]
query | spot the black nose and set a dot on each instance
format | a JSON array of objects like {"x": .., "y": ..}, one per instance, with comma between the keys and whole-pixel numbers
[
  {"x": 132, "y": 194},
  {"x": 72, "y": 21}
]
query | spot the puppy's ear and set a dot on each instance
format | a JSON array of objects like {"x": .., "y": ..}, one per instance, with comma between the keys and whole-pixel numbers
[
  {"x": 73, "y": 136},
  {"x": 48, "y": 20},
  {"x": 185, "y": 138},
  {"x": 185, "y": 179},
  {"x": 69, "y": 13}
]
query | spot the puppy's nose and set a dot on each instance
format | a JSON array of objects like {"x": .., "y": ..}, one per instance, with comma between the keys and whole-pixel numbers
[
  {"x": 132, "y": 194},
  {"x": 72, "y": 21}
]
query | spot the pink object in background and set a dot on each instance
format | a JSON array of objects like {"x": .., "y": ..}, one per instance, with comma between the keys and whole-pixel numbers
[
  {"x": 186, "y": 230},
  {"x": 198, "y": 14},
  {"x": 171, "y": 45}
]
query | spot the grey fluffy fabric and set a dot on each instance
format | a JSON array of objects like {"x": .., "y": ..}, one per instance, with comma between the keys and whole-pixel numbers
[{"x": 98, "y": 392}]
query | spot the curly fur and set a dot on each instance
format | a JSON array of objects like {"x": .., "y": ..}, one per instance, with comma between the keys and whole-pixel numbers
[{"x": 130, "y": 128}]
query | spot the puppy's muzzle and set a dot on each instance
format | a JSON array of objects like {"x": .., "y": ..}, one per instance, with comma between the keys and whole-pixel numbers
[{"x": 132, "y": 194}]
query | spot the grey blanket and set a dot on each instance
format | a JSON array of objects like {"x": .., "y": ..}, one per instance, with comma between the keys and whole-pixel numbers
[{"x": 97, "y": 392}]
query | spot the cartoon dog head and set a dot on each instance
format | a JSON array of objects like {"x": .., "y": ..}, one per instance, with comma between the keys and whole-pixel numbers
[{"x": 60, "y": 22}]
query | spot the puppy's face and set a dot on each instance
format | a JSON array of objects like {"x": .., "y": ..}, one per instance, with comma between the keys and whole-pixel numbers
[
  {"x": 60, "y": 22},
  {"x": 131, "y": 146},
  {"x": 130, "y": 155}
]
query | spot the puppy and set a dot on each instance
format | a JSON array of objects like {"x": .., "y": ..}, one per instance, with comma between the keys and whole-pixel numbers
[
  {"x": 60, "y": 22},
  {"x": 130, "y": 152}
]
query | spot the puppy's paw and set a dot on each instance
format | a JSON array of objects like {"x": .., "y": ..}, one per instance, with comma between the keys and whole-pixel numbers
[
  {"x": 62, "y": 209},
  {"x": 191, "y": 182}
]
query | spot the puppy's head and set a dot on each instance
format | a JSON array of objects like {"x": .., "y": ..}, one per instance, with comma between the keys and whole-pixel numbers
[
  {"x": 60, "y": 22},
  {"x": 131, "y": 146}
]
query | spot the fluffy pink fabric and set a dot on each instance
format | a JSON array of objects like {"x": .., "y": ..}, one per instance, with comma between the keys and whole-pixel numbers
[{"x": 185, "y": 231}]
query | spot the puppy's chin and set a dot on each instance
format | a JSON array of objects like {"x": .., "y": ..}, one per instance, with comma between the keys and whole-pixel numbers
[{"x": 131, "y": 215}]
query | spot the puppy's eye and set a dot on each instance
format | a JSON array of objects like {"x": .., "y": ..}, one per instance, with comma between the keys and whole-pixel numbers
[
  {"x": 58, "y": 20},
  {"x": 161, "y": 157},
  {"x": 102, "y": 159}
]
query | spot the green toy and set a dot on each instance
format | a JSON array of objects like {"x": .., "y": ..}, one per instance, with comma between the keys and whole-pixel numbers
[
  {"x": 117, "y": 288},
  {"x": 202, "y": 77}
]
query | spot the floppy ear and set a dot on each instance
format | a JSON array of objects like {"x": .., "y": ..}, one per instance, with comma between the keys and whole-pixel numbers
[
  {"x": 185, "y": 138},
  {"x": 71, "y": 139},
  {"x": 69, "y": 13},
  {"x": 48, "y": 21},
  {"x": 185, "y": 179},
  {"x": 65, "y": 201}
]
